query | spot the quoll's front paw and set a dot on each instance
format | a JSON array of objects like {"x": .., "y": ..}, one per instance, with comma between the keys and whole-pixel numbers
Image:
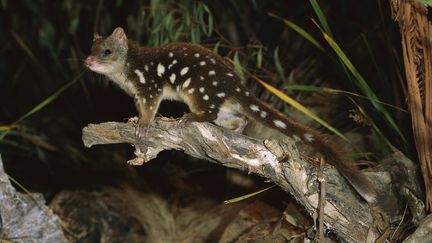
[{"x": 141, "y": 129}]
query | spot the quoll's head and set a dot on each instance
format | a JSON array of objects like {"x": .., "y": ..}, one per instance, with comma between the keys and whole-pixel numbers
[{"x": 108, "y": 54}]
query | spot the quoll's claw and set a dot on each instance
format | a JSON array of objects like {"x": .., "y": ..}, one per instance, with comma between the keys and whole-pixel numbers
[
  {"x": 133, "y": 120},
  {"x": 240, "y": 128},
  {"x": 183, "y": 122},
  {"x": 141, "y": 131},
  {"x": 186, "y": 119}
]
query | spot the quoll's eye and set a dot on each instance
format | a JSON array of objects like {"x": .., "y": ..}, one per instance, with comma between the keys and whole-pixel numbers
[{"x": 107, "y": 52}]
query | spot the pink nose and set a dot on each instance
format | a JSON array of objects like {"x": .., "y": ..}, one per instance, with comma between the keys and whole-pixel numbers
[{"x": 89, "y": 61}]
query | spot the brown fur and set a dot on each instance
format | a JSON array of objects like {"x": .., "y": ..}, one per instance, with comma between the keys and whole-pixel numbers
[{"x": 208, "y": 85}]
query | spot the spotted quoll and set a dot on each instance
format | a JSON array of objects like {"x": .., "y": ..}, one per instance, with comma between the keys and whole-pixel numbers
[{"x": 207, "y": 84}]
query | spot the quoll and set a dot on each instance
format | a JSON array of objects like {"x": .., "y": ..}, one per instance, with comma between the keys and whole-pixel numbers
[{"x": 207, "y": 84}]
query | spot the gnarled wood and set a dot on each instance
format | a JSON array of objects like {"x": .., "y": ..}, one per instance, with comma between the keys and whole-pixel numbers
[{"x": 280, "y": 162}]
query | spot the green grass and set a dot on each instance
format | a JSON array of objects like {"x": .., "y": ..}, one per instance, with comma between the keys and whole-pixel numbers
[
  {"x": 352, "y": 75},
  {"x": 291, "y": 46}
]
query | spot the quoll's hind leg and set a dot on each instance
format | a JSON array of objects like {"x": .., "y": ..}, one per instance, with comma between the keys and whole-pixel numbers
[
  {"x": 195, "y": 117},
  {"x": 231, "y": 120},
  {"x": 200, "y": 111},
  {"x": 230, "y": 116}
]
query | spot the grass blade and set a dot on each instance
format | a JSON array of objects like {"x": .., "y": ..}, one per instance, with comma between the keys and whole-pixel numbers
[
  {"x": 45, "y": 102},
  {"x": 321, "y": 17},
  {"x": 362, "y": 84},
  {"x": 338, "y": 91},
  {"x": 238, "y": 199},
  {"x": 425, "y": 2},
  {"x": 280, "y": 70},
  {"x": 374, "y": 127},
  {"x": 50, "y": 98},
  {"x": 299, "y": 31},
  {"x": 259, "y": 58},
  {"x": 238, "y": 67},
  {"x": 347, "y": 64},
  {"x": 300, "y": 107}
]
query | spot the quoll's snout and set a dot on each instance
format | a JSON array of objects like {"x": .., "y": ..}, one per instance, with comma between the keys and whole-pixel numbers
[{"x": 89, "y": 61}]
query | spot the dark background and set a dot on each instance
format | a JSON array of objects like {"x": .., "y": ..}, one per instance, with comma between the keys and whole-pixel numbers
[{"x": 43, "y": 44}]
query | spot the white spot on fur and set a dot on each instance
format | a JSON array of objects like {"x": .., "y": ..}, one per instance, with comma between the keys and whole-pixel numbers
[
  {"x": 263, "y": 114},
  {"x": 220, "y": 95},
  {"x": 172, "y": 63},
  {"x": 201, "y": 89},
  {"x": 172, "y": 78},
  {"x": 190, "y": 91},
  {"x": 201, "y": 77},
  {"x": 309, "y": 137},
  {"x": 151, "y": 107},
  {"x": 160, "y": 69},
  {"x": 280, "y": 124},
  {"x": 238, "y": 89},
  {"x": 184, "y": 71},
  {"x": 212, "y": 72},
  {"x": 254, "y": 108},
  {"x": 205, "y": 97},
  {"x": 212, "y": 106},
  {"x": 202, "y": 63},
  {"x": 140, "y": 76},
  {"x": 144, "y": 100},
  {"x": 197, "y": 55},
  {"x": 214, "y": 83},
  {"x": 146, "y": 68},
  {"x": 171, "y": 54},
  {"x": 230, "y": 74},
  {"x": 151, "y": 96},
  {"x": 212, "y": 60},
  {"x": 186, "y": 83},
  {"x": 247, "y": 93}
]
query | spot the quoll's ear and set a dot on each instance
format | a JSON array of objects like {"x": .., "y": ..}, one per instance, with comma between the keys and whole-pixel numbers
[
  {"x": 96, "y": 36},
  {"x": 120, "y": 35}
]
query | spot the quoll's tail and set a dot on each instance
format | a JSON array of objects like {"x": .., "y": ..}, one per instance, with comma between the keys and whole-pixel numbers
[{"x": 276, "y": 120}]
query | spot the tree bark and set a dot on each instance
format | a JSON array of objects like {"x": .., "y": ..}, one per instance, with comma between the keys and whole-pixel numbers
[{"x": 280, "y": 162}]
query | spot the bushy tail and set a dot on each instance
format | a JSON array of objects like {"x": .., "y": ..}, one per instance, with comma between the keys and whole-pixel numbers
[{"x": 261, "y": 112}]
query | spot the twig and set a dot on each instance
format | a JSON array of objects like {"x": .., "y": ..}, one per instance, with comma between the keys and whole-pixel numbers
[{"x": 322, "y": 200}]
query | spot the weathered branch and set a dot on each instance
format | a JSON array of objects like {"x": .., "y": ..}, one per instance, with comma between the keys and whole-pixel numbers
[
  {"x": 26, "y": 218},
  {"x": 345, "y": 212}
]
